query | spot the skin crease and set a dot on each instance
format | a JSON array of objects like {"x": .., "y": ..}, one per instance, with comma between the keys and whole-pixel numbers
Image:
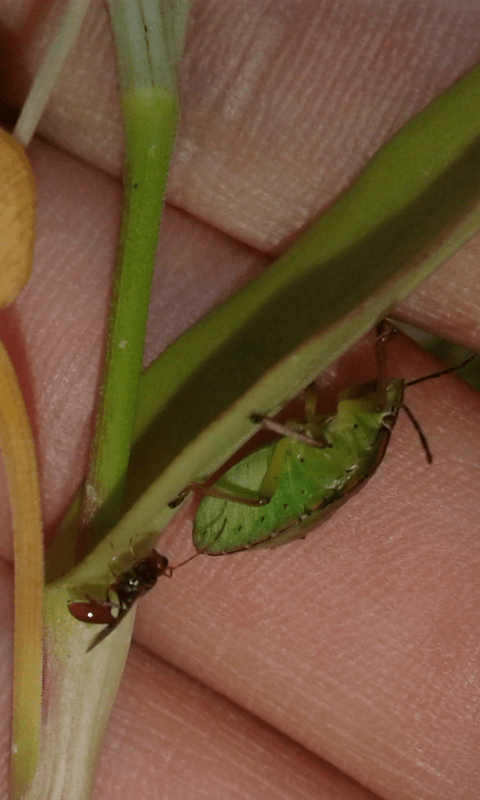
[{"x": 360, "y": 643}]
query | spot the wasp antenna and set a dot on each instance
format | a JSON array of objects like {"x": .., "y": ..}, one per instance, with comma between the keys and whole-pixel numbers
[
  {"x": 443, "y": 371},
  {"x": 423, "y": 438},
  {"x": 176, "y": 566}
]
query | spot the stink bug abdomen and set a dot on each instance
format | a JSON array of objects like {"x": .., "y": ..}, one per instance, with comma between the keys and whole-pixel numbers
[{"x": 314, "y": 479}]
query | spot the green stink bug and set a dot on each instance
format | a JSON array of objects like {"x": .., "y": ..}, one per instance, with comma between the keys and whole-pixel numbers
[{"x": 285, "y": 488}]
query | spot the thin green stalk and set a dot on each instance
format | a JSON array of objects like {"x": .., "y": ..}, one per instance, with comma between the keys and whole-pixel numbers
[{"x": 147, "y": 61}]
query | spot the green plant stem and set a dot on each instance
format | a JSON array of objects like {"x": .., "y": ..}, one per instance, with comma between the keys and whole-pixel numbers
[
  {"x": 148, "y": 38},
  {"x": 150, "y": 116}
]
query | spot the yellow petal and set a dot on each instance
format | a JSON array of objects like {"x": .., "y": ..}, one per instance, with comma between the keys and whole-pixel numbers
[{"x": 17, "y": 218}]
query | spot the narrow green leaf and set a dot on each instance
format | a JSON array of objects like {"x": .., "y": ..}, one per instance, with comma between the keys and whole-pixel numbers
[{"x": 414, "y": 204}]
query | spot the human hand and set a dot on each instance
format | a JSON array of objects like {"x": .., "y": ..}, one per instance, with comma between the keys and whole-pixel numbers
[{"x": 359, "y": 643}]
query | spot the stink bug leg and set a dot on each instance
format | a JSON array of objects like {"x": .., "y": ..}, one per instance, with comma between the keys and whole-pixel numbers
[{"x": 283, "y": 489}]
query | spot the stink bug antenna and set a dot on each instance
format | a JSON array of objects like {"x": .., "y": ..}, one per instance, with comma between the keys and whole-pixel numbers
[
  {"x": 442, "y": 371},
  {"x": 412, "y": 419},
  {"x": 416, "y": 425}
]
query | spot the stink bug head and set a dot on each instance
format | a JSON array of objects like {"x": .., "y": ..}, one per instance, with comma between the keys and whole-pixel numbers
[
  {"x": 369, "y": 402},
  {"x": 364, "y": 420}
]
